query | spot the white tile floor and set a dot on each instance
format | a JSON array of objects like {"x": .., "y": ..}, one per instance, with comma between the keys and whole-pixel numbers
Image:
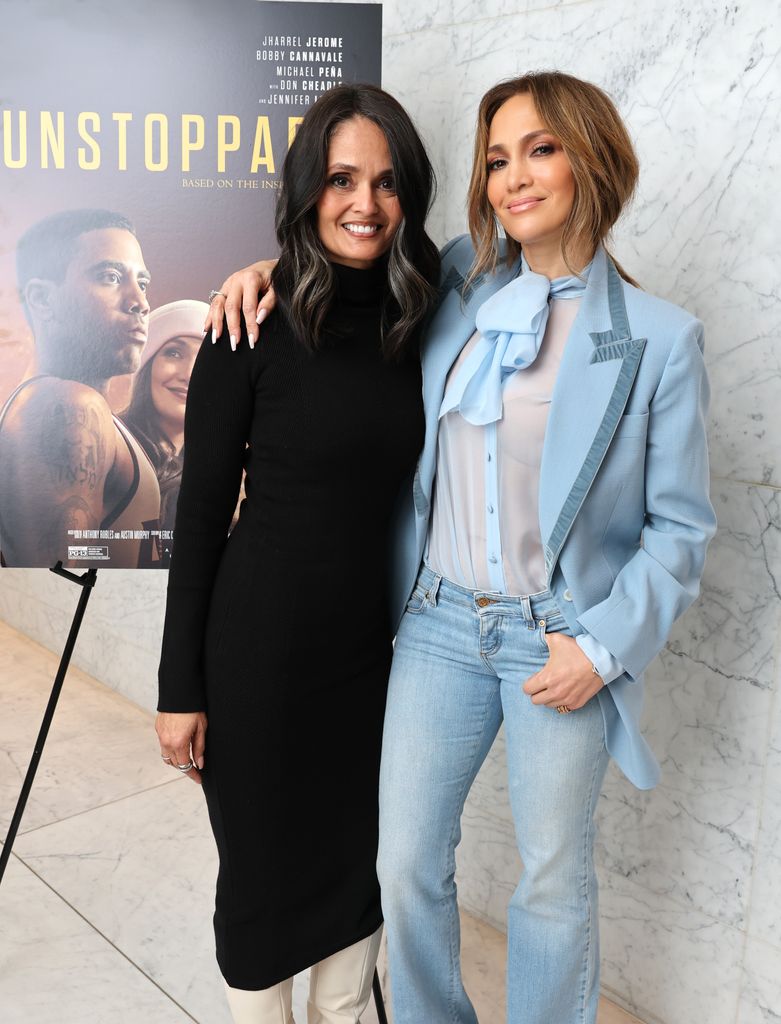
[{"x": 105, "y": 909}]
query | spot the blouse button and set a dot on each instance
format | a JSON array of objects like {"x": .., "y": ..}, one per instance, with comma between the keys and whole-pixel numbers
[
  {"x": 493, "y": 559},
  {"x": 490, "y": 508},
  {"x": 567, "y": 595}
]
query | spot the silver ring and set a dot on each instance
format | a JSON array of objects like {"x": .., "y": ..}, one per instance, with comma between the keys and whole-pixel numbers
[
  {"x": 213, "y": 293},
  {"x": 165, "y": 758},
  {"x": 184, "y": 768}
]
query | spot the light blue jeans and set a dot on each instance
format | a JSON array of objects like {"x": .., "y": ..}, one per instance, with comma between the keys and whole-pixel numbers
[{"x": 460, "y": 662}]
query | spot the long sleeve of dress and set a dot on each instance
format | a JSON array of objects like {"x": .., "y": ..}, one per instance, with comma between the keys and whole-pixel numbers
[{"x": 220, "y": 404}]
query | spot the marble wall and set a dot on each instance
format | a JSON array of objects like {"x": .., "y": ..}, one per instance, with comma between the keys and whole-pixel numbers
[{"x": 691, "y": 872}]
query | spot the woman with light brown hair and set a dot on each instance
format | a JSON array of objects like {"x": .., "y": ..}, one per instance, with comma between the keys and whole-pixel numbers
[{"x": 556, "y": 529}]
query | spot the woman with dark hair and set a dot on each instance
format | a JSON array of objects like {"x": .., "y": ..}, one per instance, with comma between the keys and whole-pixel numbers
[
  {"x": 565, "y": 413},
  {"x": 155, "y": 414},
  {"x": 276, "y": 633}
]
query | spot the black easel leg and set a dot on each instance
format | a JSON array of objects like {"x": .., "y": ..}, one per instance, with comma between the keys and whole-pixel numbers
[
  {"x": 86, "y": 582},
  {"x": 382, "y": 1017}
]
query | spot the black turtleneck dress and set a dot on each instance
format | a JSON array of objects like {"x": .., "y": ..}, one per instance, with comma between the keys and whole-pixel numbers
[{"x": 281, "y": 633}]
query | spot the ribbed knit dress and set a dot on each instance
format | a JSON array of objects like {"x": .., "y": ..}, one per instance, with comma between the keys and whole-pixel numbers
[{"x": 281, "y": 632}]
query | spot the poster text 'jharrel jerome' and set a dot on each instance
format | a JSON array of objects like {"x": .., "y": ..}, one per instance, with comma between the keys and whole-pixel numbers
[{"x": 312, "y": 42}]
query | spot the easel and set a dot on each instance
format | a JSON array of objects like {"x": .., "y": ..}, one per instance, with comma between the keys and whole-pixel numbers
[{"x": 87, "y": 581}]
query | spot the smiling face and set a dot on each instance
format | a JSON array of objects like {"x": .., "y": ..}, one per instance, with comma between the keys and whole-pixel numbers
[
  {"x": 358, "y": 211},
  {"x": 530, "y": 182},
  {"x": 172, "y": 368}
]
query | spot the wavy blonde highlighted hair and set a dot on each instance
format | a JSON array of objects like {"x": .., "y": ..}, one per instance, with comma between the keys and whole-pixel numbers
[{"x": 597, "y": 144}]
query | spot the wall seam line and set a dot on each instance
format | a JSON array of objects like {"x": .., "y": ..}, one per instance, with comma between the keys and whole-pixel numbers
[{"x": 760, "y": 816}]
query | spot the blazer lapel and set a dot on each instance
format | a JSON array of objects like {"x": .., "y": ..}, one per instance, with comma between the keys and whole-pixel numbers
[{"x": 597, "y": 370}]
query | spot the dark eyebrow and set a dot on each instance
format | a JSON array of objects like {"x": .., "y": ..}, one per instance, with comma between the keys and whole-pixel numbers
[
  {"x": 523, "y": 140},
  {"x": 334, "y": 168},
  {"x": 96, "y": 268}
]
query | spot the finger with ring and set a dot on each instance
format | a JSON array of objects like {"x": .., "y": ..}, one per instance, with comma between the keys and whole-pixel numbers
[
  {"x": 184, "y": 768},
  {"x": 563, "y": 709},
  {"x": 214, "y": 293}
]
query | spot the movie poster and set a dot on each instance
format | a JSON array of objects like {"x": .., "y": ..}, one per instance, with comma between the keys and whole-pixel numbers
[{"x": 140, "y": 151}]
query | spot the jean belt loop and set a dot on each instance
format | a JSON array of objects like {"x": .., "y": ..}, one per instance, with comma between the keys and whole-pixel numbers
[
  {"x": 433, "y": 590},
  {"x": 526, "y": 607}
]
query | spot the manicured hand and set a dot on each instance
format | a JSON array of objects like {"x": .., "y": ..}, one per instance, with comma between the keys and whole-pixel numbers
[
  {"x": 240, "y": 294},
  {"x": 567, "y": 678},
  {"x": 182, "y": 740}
]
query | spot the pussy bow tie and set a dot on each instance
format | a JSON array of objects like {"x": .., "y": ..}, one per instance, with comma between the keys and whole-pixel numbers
[{"x": 512, "y": 325}]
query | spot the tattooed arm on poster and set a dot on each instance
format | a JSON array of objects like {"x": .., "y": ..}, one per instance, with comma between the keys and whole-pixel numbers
[
  {"x": 248, "y": 291},
  {"x": 57, "y": 449}
]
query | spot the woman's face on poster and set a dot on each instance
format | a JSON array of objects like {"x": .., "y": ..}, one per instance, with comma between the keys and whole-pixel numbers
[{"x": 170, "y": 378}]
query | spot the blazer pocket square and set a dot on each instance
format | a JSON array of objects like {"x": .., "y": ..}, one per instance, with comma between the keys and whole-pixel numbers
[{"x": 607, "y": 349}]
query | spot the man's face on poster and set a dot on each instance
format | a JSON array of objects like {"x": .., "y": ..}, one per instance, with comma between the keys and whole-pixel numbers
[{"x": 100, "y": 308}]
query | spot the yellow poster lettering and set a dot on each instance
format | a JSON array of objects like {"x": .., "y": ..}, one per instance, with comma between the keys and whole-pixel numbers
[
  {"x": 8, "y": 141},
  {"x": 224, "y": 146},
  {"x": 292, "y": 128},
  {"x": 52, "y": 139},
  {"x": 89, "y": 121},
  {"x": 150, "y": 121},
  {"x": 190, "y": 144},
  {"x": 122, "y": 123},
  {"x": 262, "y": 153}
]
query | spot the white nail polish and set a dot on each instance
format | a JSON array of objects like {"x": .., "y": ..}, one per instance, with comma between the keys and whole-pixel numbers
[
  {"x": 251, "y": 340},
  {"x": 214, "y": 335},
  {"x": 261, "y": 317},
  {"x": 233, "y": 342}
]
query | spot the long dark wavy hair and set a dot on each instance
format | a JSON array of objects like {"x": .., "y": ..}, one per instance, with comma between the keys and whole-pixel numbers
[
  {"x": 144, "y": 422},
  {"x": 303, "y": 278}
]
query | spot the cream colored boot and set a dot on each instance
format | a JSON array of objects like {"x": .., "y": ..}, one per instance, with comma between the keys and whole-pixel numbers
[
  {"x": 341, "y": 985},
  {"x": 265, "y": 1006}
]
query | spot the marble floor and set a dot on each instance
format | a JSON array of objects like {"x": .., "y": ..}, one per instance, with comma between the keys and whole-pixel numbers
[{"x": 105, "y": 906}]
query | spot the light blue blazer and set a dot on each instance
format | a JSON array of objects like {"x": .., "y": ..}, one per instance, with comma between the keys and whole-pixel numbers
[{"x": 623, "y": 508}]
